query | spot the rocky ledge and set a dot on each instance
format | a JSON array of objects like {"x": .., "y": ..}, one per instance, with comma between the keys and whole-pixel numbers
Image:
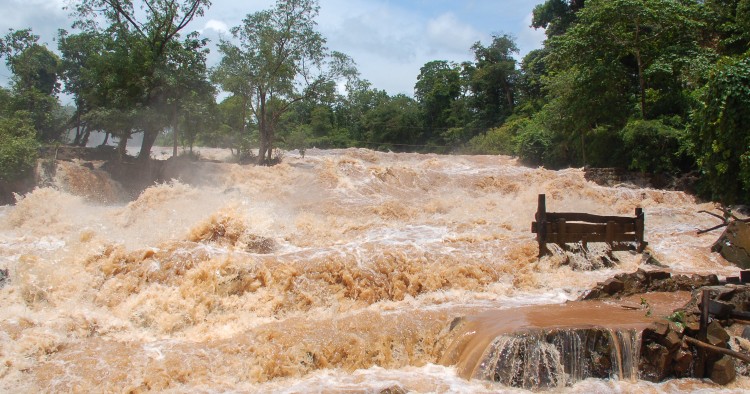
[{"x": 678, "y": 347}]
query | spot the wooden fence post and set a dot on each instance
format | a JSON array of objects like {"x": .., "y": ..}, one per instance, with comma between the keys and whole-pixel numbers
[
  {"x": 639, "y": 229},
  {"x": 541, "y": 225}
]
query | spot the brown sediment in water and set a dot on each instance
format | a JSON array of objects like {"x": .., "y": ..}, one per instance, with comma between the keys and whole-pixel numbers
[
  {"x": 344, "y": 259},
  {"x": 295, "y": 347}
]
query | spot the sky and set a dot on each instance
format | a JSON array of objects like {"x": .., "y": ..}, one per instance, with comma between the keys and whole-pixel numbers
[{"x": 390, "y": 40}]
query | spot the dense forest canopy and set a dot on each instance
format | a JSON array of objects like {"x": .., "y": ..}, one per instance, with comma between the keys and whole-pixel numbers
[{"x": 657, "y": 86}]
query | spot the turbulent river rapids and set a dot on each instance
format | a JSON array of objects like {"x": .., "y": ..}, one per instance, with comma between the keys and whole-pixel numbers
[{"x": 339, "y": 272}]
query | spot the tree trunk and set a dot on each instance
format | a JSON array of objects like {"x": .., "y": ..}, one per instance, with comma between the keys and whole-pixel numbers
[
  {"x": 123, "y": 144},
  {"x": 639, "y": 60},
  {"x": 264, "y": 145},
  {"x": 174, "y": 131},
  {"x": 149, "y": 137},
  {"x": 86, "y": 134}
]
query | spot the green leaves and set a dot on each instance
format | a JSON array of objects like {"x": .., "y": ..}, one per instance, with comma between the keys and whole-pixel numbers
[
  {"x": 18, "y": 146},
  {"x": 721, "y": 132}
]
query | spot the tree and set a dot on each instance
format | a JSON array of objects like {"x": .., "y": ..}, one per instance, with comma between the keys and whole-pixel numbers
[
  {"x": 18, "y": 145},
  {"x": 144, "y": 39},
  {"x": 556, "y": 16},
  {"x": 653, "y": 38},
  {"x": 492, "y": 81},
  {"x": 722, "y": 137},
  {"x": 80, "y": 54},
  {"x": 438, "y": 85},
  {"x": 394, "y": 124},
  {"x": 35, "y": 81},
  {"x": 280, "y": 60}
]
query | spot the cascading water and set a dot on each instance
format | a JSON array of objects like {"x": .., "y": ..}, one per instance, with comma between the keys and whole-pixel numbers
[
  {"x": 337, "y": 272},
  {"x": 560, "y": 357}
]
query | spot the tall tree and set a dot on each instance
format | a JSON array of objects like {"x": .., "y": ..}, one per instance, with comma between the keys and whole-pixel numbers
[
  {"x": 653, "y": 38},
  {"x": 280, "y": 60},
  {"x": 145, "y": 35},
  {"x": 555, "y": 16},
  {"x": 35, "y": 81},
  {"x": 492, "y": 81},
  {"x": 438, "y": 85}
]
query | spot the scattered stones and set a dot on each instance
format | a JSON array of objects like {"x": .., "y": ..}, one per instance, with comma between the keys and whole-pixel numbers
[{"x": 643, "y": 281}]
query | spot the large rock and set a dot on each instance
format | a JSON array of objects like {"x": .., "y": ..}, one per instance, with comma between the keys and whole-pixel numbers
[
  {"x": 734, "y": 244},
  {"x": 723, "y": 371}
]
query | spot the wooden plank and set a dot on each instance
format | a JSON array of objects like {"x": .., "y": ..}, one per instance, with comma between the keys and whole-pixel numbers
[
  {"x": 553, "y": 228},
  {"x": 561, "y": 230},
  {"x": 587, "y": 217},
  {"x": 610, "y": 232},
  {"x": 578, "y": 237}
]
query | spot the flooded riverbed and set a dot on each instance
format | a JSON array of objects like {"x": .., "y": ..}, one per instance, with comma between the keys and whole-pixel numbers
[{"x": 337, "y": 272}]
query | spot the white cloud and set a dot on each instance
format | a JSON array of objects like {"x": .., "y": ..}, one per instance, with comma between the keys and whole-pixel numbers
[
  {"x": 215, "y": 25},
  {"x": 529, "y": 38},
  {"x": 446, "y": 32}
]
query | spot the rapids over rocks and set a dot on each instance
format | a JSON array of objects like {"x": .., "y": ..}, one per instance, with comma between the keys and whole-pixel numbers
[{"x": 337, "y": 272}]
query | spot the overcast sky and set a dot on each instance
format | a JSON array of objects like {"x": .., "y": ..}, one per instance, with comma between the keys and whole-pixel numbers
[{"x": 390, "y": 40}]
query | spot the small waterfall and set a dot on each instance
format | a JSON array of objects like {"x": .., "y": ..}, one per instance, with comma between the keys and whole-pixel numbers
[
  {"x": 625, "y": 353},
  {"x": 560, "y": 357}
]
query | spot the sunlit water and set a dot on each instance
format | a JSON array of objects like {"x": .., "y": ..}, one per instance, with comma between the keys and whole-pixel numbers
[{"x": 337, "y": 272}]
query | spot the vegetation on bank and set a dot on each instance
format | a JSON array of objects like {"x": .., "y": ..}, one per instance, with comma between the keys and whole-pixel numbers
[{"x": 657, "y": 86}]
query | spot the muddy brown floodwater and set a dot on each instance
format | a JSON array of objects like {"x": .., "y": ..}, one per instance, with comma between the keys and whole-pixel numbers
[{"x": 337, "y": 272}]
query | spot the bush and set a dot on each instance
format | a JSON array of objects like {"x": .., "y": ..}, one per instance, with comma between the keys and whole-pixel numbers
[
  {"x": 654, "y": 147},
  {"x": 18, "y": 147},
  {"x": 536, "y": 145},
  {"x": 497, "y": 141}
]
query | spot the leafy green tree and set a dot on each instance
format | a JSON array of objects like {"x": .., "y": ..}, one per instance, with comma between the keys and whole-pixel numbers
[
  {"x": 492, "y": 81},
  {"x": 80, "y": 54},
  {"x": 395, "y": 124},
  {"x": 141, "y": 45},
  {"x": 555, "y": 16},
  {"x": 438, "y": 86},
  {"x": 655, "y": 147},
  {"x": 650, "y": 39},
  {"x": 280, "y": 60},
  {"x": 18, "y": 145},
  {"x": 721, "y": 132},
  {"x": 35, "y": 81},
  {"x": 729, "y": 25}
]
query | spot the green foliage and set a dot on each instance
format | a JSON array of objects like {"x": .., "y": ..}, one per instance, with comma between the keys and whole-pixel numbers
[
  {"x": 438, "y": 86},
  {"x": 722, "y": 136},
  {"x": 678, "y": 318},
  {"x": 492, "y": 80},
  {"x": 654, "y": 147},
  {"x": 499, "y": 140},
  {"x": 537, "y": 145},
  {"x": 18, "y": 146},
  {"x": 280, "y": 60},
  {"x": 394, "y": 124}
]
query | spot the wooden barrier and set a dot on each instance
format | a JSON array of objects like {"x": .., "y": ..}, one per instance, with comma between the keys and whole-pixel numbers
[{"x": 573, "y": 227}]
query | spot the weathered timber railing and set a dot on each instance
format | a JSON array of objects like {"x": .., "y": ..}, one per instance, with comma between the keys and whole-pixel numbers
[{"x": 573, "y": 227}]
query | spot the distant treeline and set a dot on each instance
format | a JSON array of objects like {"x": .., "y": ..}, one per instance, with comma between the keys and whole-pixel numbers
[{"x": 657, "y": 86}]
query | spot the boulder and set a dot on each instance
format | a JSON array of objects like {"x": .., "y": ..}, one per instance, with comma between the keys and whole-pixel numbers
[
  {"x": 734, "y": 244},
  {"x": 723, "y": 371}
]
